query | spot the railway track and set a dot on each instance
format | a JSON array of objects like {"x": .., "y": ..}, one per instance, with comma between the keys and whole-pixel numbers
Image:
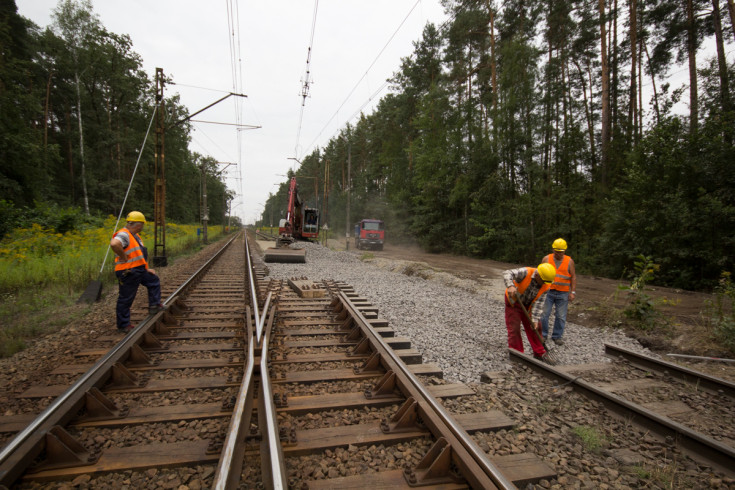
[
  {"x": 689, "y": 410},
  {"x": 246, "y": 381}
]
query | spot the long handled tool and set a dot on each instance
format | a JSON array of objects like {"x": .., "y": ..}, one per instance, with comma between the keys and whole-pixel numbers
[
  {"x": 94, "y": 288},
  {"x": 551, "y": 356}
]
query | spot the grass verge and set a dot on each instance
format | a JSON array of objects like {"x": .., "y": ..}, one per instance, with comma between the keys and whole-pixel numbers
[{"x": 40, "y": 298}]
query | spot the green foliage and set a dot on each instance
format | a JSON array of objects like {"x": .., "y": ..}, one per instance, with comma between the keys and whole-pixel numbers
[
  {"x": 47, "y": 215},
  {"x": 592, "y": 440},
  {"x": 721, "y": 312},
  {"x": 641, "y": 307},
  {"x": 672, "y": 178},
  {"x": 39, "y": 257},
  {"x": 42, "y": 273},
  {"x": 41, "y": 164}
]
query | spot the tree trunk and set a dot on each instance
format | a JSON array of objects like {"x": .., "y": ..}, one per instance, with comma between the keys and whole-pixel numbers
[
  {"x": 640, "y": 90},
  {"x": 588, "y": 115},
  {"x": 632, "y": 108},
  {"x": 547, "y": 119},
  {"x": 731, "y": 9},
  {"x": 69, "y": 156},
  {"x": 653, "y": 82},
  {"x": 46, "y": 111},
  {"x": 613, "y": 47},
  {"x": 81, "y": 145},
  {"x": 605, "y": 115},
  {"x": 493, "y": 64},
  {"x": 721, "y": 60},
  {"x": 692, "y": 52}
]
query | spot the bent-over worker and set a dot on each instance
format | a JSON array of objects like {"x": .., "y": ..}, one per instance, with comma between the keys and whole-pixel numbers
[
  {"x": 131, "y": 269},
  {"x": 531, "y": 286}
]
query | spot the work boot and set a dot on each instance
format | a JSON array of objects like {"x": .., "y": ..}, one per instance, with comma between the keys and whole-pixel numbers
[
  {"x": 126, "y": 329},
  {"x": 559, "y": 341},
  {"x": 152, "y": 310}
]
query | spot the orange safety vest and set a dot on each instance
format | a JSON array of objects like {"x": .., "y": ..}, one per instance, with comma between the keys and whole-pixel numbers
[
  {"x": 563, "y": 279},
  {"x": 523, "y": 285},
  {"x": 134, "y": 251}
]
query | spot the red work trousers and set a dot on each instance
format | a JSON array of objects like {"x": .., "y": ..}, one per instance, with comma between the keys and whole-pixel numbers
[{"x": 514, "y": 316}]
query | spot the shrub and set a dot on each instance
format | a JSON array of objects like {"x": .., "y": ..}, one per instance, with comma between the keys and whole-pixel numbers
[
  {"x": 721, "y": 313},
  {"x": 641, "y": 308}
]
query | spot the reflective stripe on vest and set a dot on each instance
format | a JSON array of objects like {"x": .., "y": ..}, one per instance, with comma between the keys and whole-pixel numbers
[
  {"x": 563, "y": 279},
  {"x": 523, "y": 285},
  {"x": 133, "y": 251}
]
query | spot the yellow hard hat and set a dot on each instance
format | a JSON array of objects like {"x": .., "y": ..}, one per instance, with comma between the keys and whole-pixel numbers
[
  {"x": 135, "y": 216},
  {"x": 547, "y": 272},
  {"x": 559, "y": 245}
]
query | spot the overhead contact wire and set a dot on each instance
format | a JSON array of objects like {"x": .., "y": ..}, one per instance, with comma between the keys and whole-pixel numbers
[
  {"x": 366, "y": 72},
  {"x": 307, "y": 76}
]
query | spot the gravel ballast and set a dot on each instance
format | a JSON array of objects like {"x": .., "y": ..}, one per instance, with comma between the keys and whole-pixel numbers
[{"x": 457, "y": 324}]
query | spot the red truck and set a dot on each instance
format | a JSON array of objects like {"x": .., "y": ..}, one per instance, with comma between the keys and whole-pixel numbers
[{"x": 370, "y": 233}]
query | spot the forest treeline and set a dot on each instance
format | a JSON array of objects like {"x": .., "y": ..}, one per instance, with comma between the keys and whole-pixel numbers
[
  {"x": 518, "y": 122},
  {"x": 607, "y": 122},
  {"x": 75, "y": 107}
]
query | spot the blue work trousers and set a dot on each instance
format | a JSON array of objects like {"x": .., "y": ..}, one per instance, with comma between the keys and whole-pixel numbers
[
  {"x": 129, "y": 280},
  {"x": 560, "y": 299}
]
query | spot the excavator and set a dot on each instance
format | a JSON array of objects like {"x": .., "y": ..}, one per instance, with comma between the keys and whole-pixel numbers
[{"x": 301, "y": 223}]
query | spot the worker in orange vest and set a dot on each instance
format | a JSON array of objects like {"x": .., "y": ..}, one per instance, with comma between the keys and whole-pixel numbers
[
  {"x": 530, "y": 286},
  {"x": 562, "y": 291},
  {"x": 131, "y": 269}
]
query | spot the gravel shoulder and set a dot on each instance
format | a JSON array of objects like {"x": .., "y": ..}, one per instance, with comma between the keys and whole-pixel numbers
[{"x": 454, "y": 322}]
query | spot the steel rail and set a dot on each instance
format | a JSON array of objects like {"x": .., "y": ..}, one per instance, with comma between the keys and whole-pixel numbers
[
  {"x": 253, "y": 291},
  {"x": 27, "y": 444},
  {"x": 464, "y": 446},
  {"x": 713, "y": 385},
  {"x": 229, "y": 467},
  {"x": 697, "y": 445},
  {"x": 271, "y": 452}
]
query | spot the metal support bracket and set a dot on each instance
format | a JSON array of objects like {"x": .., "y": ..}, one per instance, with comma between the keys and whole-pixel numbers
[
  {"x": 98, "y": 407},
  {"x": 63, "y": 451},
  {"x": 347, "y": 324},
  {"x": 371, "y": 365},
  {"x": 150, "y": 342},
  {"x": 404, "y": 420},
  {"x": 435, "y": 468},
  {"x": 385, "y": 388},
  {"x": 138, "y": 357},
  {"x": 363, "y": 347},
  {"x": 355, "y": 334},
  {"x": 123, "y": 378}
]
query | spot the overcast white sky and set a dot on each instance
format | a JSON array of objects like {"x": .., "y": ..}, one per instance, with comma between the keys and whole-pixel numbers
[{"x": 191, "y": 41}]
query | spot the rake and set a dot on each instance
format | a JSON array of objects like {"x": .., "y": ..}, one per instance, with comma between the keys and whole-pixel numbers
[{"x": 551, "y": 354}]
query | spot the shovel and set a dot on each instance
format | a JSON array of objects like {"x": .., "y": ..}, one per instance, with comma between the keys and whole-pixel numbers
[
  {"x": 551, "y": 356},
  {"x": 92, "y": 293},
  {"x": 94, "y": 288}
]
